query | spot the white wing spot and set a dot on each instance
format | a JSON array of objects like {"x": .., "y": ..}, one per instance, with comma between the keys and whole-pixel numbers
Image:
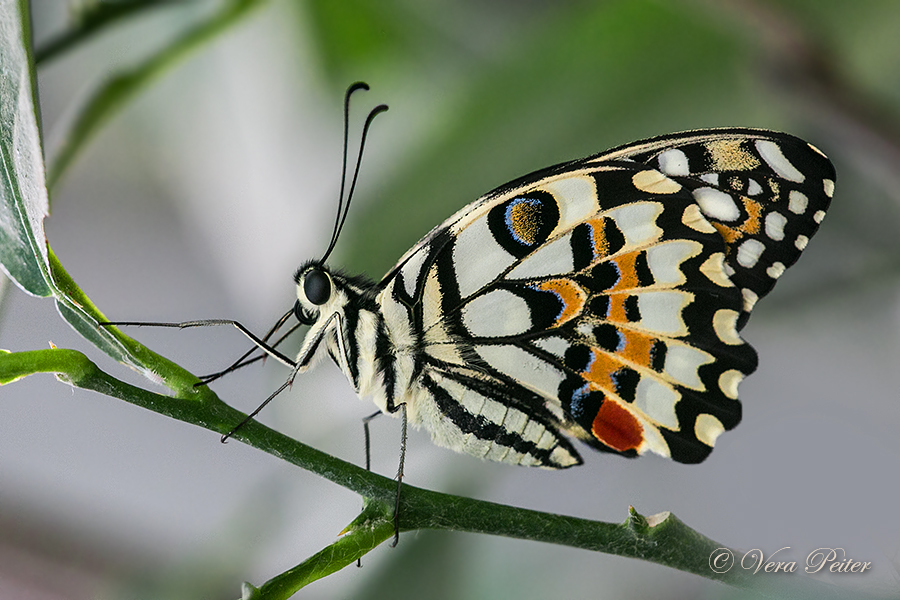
[
  {"x": 665, "y": 260},
  {"x": 729, "y": 381},
  {"x": 797, "y": 202},
  {"x": 776, "y": 270},
  {"x": 637, "y": 222},
  {"x": 477, "y": 257},
  {"x": 657, "y": 401},
  {"x": 725, "y": 326},
  {"x": 748, "y": 253},
  {"x": 771, "y": 153},
  {"x": 753, "y": 188},
  {"x": 562, "y": 457},
  {"x": 411, "y": 271},
  {"x": 497, "y": 313},
  {"x": 556, "y": 346},
  {"x": 530, "y": 371},
  {"x": 661, "y": 311},
  {"x": 716, "y": 204},
  {"x": 818, "y": 216},
  {"x": 554, "y": 258},
  {"x": 775, "y": 223},
  {"x": 707, "y": 428},
  {"x": 710, "y": 178},
  {"x": 674, "y": 162},
  {"x": 828, "y": 185},
  {"x": 693, "y": 218},
  {"x": 801, "y": 242},
  {"x": 654, "y": 182},
  {"x": 682, "y": 365}
]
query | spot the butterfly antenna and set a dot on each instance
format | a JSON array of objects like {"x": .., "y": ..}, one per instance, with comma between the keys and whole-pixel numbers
[
  {"x": 362, "y": 144},
  {"x": 343, "y": 206}
]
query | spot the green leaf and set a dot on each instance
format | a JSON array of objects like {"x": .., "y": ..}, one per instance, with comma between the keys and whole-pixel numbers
[
  {"x": 24, "y": 253},
  {"x": 23, "y": 196},
  {"x": 91, "y": 19},
  {"x": 110, "y": 97}
]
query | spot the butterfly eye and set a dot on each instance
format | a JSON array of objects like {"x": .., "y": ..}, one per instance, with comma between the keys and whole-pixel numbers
[{"x": 317, "y": 287}]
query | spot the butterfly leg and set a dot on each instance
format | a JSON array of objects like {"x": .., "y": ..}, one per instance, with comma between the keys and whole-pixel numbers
[
  {"x": 368, "y": 453},
  {"x": 366, "y": 437},
  {"x": 209, "y": 323},
  {"x": 242, "y": 361},
  {"x": 300, "y": 366},
  {"x": 402, "y": 408}
]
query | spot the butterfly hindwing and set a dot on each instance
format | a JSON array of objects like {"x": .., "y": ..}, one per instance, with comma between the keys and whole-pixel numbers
[{"x": 602, "y": 298}]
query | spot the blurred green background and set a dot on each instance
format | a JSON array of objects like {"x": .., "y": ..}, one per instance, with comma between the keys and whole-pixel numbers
[{"x": 203, "y": 193}]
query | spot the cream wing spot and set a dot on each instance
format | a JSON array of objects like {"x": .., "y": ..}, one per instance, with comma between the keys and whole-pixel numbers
[
  {"x": 561, "y": 456},
  {"x": 556, "y": 346},
  {"x": 716, "y": 204},
  {"x": 828, "y": 187},
  {"x": 819, "y": 216},
  {"x": 801, "y": 242},
  {"x": 693, "y": 217},
  {"x": 707, "y": 428},
  {"x": 725, "y": 326},
  {"x": 533, "y": 373},
  {"x": 654, "y": 182},
  {"x": 710, "y": 178},
  {"x": 411, "y": 271},
  {"x": 714, "y": 269},
  {"x": 729, "y": 381},
  {"x": 576, "y": 198},
  {"x": 750, "y": 299},
  {"x": 776, "y": 270}
]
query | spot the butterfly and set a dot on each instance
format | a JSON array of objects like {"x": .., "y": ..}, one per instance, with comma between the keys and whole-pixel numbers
[{"x": 600, "y": 300}]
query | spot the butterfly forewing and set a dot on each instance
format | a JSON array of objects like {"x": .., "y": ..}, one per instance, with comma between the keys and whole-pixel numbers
[
  {"x": 602, "y": 298},
  {"x": 765, "y": 192}
]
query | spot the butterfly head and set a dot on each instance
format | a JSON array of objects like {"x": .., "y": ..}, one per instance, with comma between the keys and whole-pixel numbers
[{"x": 315, "y": 290}]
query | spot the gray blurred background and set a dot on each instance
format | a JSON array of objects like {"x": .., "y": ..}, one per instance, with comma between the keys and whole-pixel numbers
[{"x": 201, "y": 197}]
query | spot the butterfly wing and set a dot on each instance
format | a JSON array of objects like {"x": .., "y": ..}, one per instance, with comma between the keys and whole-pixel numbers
[{"x": 603, "y": 297}]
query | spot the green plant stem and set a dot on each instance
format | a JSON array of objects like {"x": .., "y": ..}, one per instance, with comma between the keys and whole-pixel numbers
[{"x": 662, "y": 539}]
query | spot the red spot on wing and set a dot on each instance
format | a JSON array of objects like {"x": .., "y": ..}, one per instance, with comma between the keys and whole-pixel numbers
[{"x": 616, "y": 427}]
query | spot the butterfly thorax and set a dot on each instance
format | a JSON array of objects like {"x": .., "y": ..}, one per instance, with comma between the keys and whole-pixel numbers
[{"x": 375, "y": 353}]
